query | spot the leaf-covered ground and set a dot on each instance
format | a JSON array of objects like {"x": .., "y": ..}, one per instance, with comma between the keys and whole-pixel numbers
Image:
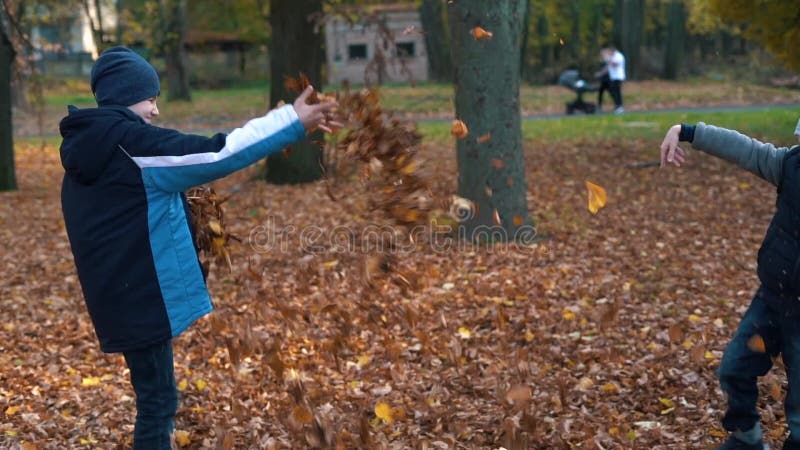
[{"x": 606, "y": 334}]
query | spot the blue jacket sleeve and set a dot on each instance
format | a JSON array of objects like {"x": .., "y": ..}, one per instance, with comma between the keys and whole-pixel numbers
[{"x": 177, "y": 162}]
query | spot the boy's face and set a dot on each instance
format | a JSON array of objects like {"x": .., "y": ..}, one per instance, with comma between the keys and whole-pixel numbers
[{"x": 146, "y": 109}]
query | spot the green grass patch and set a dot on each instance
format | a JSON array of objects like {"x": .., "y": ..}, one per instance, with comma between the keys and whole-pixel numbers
[{"x": 774, "y": 124}]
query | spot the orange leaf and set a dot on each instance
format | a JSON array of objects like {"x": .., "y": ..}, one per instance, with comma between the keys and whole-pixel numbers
[
  {"x": 484, "y": 138},
  {"x": 518, "y": 221},
  {"x": 498, "y": 163},
  {"x": 459, "y": 129},
  {"x": 756, "y": 344},
  {"x": 479, "y": 33},
  {"x": 597, "y": 197}
]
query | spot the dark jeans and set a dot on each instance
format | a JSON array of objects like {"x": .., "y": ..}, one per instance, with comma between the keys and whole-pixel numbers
[
  {"x": 615, "y": 88},
  {"x": 741, "y": 365},
  {"x": 153, "y": 380}
]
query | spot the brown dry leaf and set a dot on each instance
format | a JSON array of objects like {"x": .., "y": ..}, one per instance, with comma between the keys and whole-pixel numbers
[
  {"x": 302, "y": 415},
  {"x": 459, "y": 129},
  {"x": 479, "y": 33},
  {"x": 519, "y": 394},
  {"x": 498, "y": 163},
  {"x": 485, "y": 138},
  {"x": 675, "y": 333}
]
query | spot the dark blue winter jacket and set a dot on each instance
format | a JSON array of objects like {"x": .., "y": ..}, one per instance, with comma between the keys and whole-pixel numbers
[{"x": 127, "y": 220}]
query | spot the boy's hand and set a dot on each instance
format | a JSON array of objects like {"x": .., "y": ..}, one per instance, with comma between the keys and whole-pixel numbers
[
  {"x": 315, "y": 116},
  {"x": 671, "y": 153}
]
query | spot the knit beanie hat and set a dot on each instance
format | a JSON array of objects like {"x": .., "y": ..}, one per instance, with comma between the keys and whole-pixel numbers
[{"x": 121, "y": 77}]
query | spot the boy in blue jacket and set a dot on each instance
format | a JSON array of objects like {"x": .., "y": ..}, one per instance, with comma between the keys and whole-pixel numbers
[
  {"x": 774, "y": 311},
  {"x": 128, "y": 222}
]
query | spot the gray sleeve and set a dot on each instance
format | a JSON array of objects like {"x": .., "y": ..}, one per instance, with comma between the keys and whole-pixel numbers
[{"x": 764, "y": 160}]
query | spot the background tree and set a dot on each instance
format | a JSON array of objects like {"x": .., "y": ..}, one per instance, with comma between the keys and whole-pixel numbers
[
  {"x": 775, "y": 24},
  {"x": 8, "y": 180},
  {"x": 172, "y": 15},
  {"x": 674, "y": 42},
  {"x": 296, "y": 45},
  {"x": 487, "y": 78},
  {"x": 440, "y": 64},
  {"x": 628, "y": 33}
]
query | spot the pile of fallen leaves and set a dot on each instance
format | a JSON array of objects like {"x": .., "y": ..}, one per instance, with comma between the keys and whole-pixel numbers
[{"x": 208, "y": 223}]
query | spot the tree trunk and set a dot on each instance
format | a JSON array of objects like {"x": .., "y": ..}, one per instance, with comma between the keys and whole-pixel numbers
[
  {"x": 524, "y": 65},
  {"x": 628, "y": 32},
  {"x": 296, "y": 46},
  {"x": 440, "y": 64},
  {"x": 490, "y": 174},
  {"x": 8, "y": 180},
  {"x": 546, "y": 48},
  {"x": 676, "y": 32},
  {"x": 119, "y": 6},
  {"x": 174, "y": 56}
]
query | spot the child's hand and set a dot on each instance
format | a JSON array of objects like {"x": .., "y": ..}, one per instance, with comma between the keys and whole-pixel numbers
[
  {"x": 315, "y": 116},
  {"x": 671, "y": 153}
]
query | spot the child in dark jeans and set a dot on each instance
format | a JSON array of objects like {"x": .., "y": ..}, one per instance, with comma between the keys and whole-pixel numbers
[
  {"x": 775, "y": 309},
  {"x": 127, "y": 219}
]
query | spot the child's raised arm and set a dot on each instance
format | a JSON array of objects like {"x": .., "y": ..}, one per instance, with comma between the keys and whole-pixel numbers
[
  {"x": 175, "y": 162},
  {"x": 762, "y": 159}
]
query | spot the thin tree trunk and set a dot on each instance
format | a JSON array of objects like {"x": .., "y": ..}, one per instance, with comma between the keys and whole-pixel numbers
[
  {"x": 628, "y": 32},
  {"x": 491, "y": 174},
  {"x": 296, "y": 46},
  {"x": 8, "y": 180},
  {"x": 676, "y": 32},
  {"x": 440, "y": 63},
  {"x": 524, "y": 65},
  {"x": 174, "y": 56}
]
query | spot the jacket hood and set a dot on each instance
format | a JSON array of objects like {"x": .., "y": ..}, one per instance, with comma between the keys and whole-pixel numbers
[{"x": 91, "y": 136}]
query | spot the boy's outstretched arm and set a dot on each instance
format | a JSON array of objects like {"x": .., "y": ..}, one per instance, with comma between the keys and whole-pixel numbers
[
  {"x": 175, "y": 162},
  {"x": 762, "y": 159}
]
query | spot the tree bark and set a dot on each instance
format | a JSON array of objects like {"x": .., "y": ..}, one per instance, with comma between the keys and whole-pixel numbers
[
  {"x": 487, "y": 78},
  {"x": 174, "y": 18},
  {"x": 296, "y": 46},
  {"x": 674, "y": 45},
  {"x": 440, "y": 63},
  {"x": 628, "y": 32},
  {"x": 8, "y": 180}
]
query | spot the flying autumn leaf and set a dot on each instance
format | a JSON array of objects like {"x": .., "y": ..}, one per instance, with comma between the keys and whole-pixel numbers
[
  {"x": 459, "y": 129},
  {"x": 756, "y": 344},
  {"x": 479, "y": 33},
  {"x": 597, "y": 197}
]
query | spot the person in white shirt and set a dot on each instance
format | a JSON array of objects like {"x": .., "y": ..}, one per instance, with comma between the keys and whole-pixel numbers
[{"x": 614, "y": 72}]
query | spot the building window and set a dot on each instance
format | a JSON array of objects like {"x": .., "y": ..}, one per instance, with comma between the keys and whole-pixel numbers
[
  {"x": 406, "y": 50},
  {"x": 357, "y": 51}
]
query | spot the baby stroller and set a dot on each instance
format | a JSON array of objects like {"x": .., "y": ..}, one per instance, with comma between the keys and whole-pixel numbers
[{"x": 571, "y": 79}]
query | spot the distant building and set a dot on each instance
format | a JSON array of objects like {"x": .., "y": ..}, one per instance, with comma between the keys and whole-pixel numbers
[{"x": 351, "y": 49}]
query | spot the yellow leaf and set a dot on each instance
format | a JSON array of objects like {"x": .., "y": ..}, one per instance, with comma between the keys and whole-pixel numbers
[
  {"x": 200, "y": 384},
  {"x": 666, "y": 402},
  {"x": 331, "y": 264},
  {"x": 464, "y": 333},
  {"x": 11, "y": 410},
  {"x": 695, "y": 318},
  {"x": 182, "y": 438},
  {"x": 609, "y": 388},
  {"x": 597, "y": 197},
  {"x": 384, "y": 412},
  {"x": 363, "y": 360},
  {"x": 529, "y": 336},
  {"x": 215, "y": 226},
  {"x": 182, "y": 385},
  {"x": 90, "y": 381},
  {"x": 568, "y": 314},
  {"x": 709, "y": 356},
  {"x": 11, "y": 432}
]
